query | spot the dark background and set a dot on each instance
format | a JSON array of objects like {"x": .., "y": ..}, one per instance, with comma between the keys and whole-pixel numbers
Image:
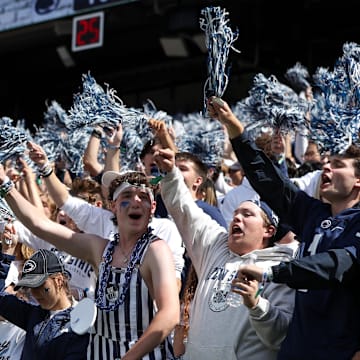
[{"x": 273, "y": 36}]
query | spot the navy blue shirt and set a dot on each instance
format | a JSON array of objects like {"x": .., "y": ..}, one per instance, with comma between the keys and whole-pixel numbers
[
  {"x": 45, "y": 339},
  {"x": 212, "y": 211},
  {"x": 326, "y": 320}
]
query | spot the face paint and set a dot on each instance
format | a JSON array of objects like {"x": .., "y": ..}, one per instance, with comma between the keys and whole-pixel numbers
[{"x": 124, "y": 204}]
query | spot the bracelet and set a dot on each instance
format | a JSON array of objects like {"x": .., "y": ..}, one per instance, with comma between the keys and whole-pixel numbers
[
  {"x": 113, "y": 147},
  {"x": 43, "y": 167},
  {"x": 267, "y": 276},
  {"x": 47, "y": 172},
  {"x": 96, "y": 133},
  {"x": 5, "y": 187}
]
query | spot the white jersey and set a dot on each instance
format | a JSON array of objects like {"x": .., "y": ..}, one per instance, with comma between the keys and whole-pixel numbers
[
  {"x": 12, "y": 340},
  {"x": 309, "y": 183}
]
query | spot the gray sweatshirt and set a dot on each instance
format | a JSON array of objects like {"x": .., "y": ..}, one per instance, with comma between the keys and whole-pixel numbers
[{"x": 218, "y": 331}]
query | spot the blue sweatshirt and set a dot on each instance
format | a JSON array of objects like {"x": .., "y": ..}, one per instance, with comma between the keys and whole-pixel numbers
[{"x": 326, "y": 318}]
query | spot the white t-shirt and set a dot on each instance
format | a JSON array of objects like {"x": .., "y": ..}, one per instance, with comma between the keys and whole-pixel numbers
[{"x": 12, "y": 340}]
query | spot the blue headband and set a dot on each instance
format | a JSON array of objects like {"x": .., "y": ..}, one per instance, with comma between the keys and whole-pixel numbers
[{"x": 273, "y": 218}]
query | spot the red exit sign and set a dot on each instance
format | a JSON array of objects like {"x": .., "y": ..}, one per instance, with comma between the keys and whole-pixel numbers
[{"x": 88, "y": 31}]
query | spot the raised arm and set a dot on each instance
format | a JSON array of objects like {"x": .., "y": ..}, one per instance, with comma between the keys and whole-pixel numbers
[
  {"x": 57, "y": 190},
  {"x": 219, "y": 109},
  {"x": 29, "y": 182},
  {"x": 112, "y": 157},
  {"x": 84, "y": 246},
  {"x": 266, "y": 179},
  {"x": 90, "y": 158}
]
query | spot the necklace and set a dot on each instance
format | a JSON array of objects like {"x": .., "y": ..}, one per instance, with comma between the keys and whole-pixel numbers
[
  {"x": 125, "y": 256},
  {"x": 105, "y": 269}
]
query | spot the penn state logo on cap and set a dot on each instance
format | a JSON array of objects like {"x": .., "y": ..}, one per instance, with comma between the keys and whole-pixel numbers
[{"x": 29, "y": 266}]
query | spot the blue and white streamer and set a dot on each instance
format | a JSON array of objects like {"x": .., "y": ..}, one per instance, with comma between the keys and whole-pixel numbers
[
  {"x": 335, "y": 117},
  {"x": 97, "y": 107},
  {"x": 13, "y": 140},
  {"x": 219, "y": 39},
  {"x": 298, "y": 77},
  {"x": 201, "y": 136},
  {"x": 272, "y": 104}
]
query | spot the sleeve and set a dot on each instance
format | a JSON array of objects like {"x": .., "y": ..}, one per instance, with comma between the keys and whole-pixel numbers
[
  {"x": 271, "y": 317},
  {"x": 309, "y": 183},
  {"x": 87, "y": 217},
  {"x": 199, "y": 231},
  {"x": 319, "y": 271},
  {"x": 28, "y": 238},
  {"x": 275, "y": 189},
  {"x": 5, "y": 261},
  {"x": 221, "y": 185},
  {"x": 301, "y": 143},
  {"x": 15, "y": 310}
]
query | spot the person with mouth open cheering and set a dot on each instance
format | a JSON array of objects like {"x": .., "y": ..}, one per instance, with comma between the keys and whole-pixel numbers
[
  {"x": 136, "y": 297},
  {"x": 326, "y": 319}
]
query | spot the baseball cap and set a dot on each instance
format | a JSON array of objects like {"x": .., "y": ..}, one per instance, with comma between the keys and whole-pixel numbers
[{"x": 38, "y": 268}]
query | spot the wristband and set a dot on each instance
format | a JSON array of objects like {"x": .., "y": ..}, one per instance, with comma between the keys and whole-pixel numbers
[
  {"x": 113, "y": 147},
  {"x": 96, "y": 133},
  {"x": 44, "y": 166},
  {"x": 47, "y": 172},
  {"x": 5, "y": 187}
]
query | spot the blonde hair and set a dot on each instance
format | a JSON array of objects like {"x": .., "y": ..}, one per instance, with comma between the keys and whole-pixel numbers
[{"x": 26, "y": 251}]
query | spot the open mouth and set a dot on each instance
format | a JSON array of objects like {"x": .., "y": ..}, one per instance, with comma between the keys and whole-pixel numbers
[
  {"x": 135, "y": 216},
  {"x": 236, "y": 230},
  {"x": 325, "y": 180}
]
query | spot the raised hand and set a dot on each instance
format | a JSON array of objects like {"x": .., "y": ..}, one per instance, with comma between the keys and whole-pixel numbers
[
  {"x": 37, "y": 154},
  {"x": 165, "y": 159}
]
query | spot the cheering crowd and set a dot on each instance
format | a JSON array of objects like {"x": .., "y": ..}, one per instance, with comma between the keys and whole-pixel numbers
[{"x": 157, "y": 224}]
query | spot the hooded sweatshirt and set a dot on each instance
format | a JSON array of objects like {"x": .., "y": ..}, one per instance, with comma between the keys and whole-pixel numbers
[{"x": 218, "y": 331}]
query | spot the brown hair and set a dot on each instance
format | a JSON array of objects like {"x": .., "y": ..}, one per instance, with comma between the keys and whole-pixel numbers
[
  {"x": 87, "y": 189},
  {"x": 148, "y": 147},
  {"x": 191, "y": 283},
  {"x": 352, "y": 152},
  {"x": 133, "y": 177},
  {"x": 206, "y": 191},
  {"x": 200, "y": 167}
]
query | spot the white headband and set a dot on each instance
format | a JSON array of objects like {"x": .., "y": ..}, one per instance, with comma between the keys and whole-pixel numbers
[{"x": 126, "y": 185}]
